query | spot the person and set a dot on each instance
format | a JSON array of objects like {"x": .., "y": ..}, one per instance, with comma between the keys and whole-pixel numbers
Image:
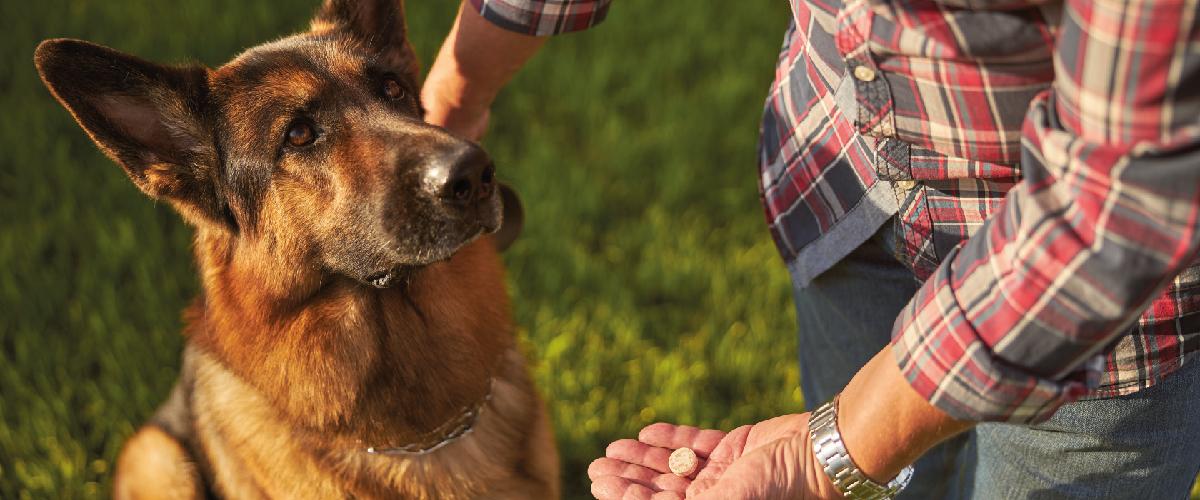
[{"x": 990, "y": 212}]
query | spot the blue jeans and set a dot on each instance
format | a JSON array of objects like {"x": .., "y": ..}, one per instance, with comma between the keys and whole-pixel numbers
[{"x": 1145, "y": 445}]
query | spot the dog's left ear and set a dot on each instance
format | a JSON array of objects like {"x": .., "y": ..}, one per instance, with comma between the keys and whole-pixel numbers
[
  {"x": 514, "y": 219},
  {"x": 379, "y": 24}
]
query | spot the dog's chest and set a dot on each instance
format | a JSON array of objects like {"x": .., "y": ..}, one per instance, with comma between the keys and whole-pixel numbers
[{"x": 253, "y": 452}]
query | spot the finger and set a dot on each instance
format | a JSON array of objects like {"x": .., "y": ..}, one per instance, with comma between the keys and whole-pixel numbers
[
  {"x": 775, "y": 470},
  {"x": 729, "y": 489},
  {"x": 731, "y": 446},
  {"x": 619, "y": 488},
  {"x": 701, "y": 441},
  {"x": 732, "y": 482},
  {"x": 657, "y": 481},
  {"x": 729, "y": 449},
  {"x": 605, "y": 466},
  {"x": 707, "y": 478},
  {"x": 783, "y": 427},
  {"x": 637, "y": 452}
]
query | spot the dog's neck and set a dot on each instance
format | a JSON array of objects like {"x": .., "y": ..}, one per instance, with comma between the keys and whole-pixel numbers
[{"x": 378, "y": 366}]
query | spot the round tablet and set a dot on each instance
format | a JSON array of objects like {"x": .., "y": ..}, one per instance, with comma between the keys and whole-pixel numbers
[{"x": 683, "y": 462}]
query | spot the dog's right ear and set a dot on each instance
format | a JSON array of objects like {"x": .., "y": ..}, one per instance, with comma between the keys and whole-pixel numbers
[{"x": 146, "y": 117}]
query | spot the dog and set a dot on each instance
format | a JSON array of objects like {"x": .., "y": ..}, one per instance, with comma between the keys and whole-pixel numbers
[{"x": 353, "y": 335}]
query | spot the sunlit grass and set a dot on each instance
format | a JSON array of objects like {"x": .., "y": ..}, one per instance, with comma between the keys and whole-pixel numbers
[{"x": 645, "y": 285}]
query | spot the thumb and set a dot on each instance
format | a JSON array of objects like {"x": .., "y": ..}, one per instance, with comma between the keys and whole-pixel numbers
[{"x": 773, "y": 471}]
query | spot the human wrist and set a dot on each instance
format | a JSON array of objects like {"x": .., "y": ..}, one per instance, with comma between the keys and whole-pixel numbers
[
  {"x": 477, "y": 60},
  {"x": 885, "y": 424},
  {"x": 446, "y": 95},
  {"x": 450, "y": 85},
  {"x": 830, "y": 456}
]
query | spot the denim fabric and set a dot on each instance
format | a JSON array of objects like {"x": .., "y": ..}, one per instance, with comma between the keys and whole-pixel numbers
[{"x": 1144, "y": 445}]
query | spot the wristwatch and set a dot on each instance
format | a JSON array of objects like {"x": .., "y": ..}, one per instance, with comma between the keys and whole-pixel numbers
[{"x": 845, "y": 475}]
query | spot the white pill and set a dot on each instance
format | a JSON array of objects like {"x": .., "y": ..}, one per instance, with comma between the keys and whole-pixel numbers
[{"x": 683, "y": 462}]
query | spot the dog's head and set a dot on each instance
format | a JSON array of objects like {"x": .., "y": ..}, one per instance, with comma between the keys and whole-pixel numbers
[{"x": 312, "y": 146}]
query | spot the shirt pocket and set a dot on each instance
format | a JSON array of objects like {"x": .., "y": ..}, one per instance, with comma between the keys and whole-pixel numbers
[
  {"x": 941, "y": 200},
  {"x": 898, "y": 160}
]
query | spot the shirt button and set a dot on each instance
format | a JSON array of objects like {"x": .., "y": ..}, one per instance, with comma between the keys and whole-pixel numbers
[
  {"x": 906, "y": 185},
  {"x": 864, "y": 73}
]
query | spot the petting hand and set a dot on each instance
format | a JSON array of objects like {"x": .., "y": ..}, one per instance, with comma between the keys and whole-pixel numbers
[
  {"x": 469, "y": 122},
  {"x": 476, "y": 61},
  {"x": 770, "y": 459}
]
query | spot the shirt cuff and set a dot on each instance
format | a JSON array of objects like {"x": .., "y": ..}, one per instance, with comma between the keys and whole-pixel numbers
[
  {"x": 943, "y": 357},
  {"x": 542, "y": 17}
]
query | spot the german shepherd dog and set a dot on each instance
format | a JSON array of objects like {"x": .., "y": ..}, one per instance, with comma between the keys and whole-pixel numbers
[{"x": 353, "y": 335}]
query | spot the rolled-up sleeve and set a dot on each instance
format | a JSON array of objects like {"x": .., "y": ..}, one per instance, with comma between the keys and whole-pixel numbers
[
  {"x": 542, "y": 17},
  {"x": 1010, "y": 326}
]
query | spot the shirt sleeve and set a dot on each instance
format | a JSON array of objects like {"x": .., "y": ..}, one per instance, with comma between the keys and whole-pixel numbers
[
  {"x": 542, "y": 17},
  {"x": 1010, "y": 326}
]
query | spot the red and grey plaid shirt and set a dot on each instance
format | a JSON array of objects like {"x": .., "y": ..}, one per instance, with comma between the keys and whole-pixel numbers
[{"x": 1041, "y": 159}]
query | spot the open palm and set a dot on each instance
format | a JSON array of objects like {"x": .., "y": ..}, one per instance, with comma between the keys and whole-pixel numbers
[{"x": 770, "y": 459}]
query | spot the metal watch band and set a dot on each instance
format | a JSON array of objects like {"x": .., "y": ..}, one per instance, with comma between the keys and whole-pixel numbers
[{"x": 845, "y": 475}]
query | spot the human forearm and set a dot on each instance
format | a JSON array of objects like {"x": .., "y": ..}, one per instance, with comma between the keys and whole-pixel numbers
[
  {"x": 1011, "y": 325},
  {"x": 1107, "y": 213},
  {"x": 475, "y": 62},
  {"x": 885, "y": 425}
]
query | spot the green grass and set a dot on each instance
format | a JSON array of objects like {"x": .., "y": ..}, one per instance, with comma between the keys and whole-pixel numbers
[{"x": 645, "y": 284}]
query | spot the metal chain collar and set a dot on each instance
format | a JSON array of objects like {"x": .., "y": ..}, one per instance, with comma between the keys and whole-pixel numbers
[{"x": 448, "y": 432}]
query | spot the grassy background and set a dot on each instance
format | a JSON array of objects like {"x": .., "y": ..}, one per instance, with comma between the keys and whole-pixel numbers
[{"x": 645, "y": 285}]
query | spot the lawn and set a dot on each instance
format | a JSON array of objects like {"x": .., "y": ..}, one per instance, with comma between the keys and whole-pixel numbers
[{"x": 645, "y": 285}]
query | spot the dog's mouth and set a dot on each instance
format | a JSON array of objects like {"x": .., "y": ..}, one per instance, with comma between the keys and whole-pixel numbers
[
  {"x": 385, "y": 279},
  {"x": 399, "y": 274},
  {"x": 435, "y": 240}
]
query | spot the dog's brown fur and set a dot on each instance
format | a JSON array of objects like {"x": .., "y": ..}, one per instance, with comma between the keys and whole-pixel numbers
[{"x": 343, "y": 305}]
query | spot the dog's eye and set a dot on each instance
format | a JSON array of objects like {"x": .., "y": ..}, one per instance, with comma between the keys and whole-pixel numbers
[
  {"x": 393, "y": 90},
  {"x": 301, "y": 133}
]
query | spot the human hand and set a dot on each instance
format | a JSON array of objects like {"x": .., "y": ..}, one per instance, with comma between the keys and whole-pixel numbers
[
  {"x": 770, "y": 459},
  {"x": 468, "y": 121},
  {"x": 476, "y": 61}
]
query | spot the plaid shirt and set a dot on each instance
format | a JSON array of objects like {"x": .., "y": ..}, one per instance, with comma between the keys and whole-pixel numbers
[
  {"x": 1040, "y": 159},
  {"x": 542, "y": 17}
]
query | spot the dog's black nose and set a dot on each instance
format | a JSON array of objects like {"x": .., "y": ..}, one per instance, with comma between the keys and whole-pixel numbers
[{"x": 470, "y": 175}]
